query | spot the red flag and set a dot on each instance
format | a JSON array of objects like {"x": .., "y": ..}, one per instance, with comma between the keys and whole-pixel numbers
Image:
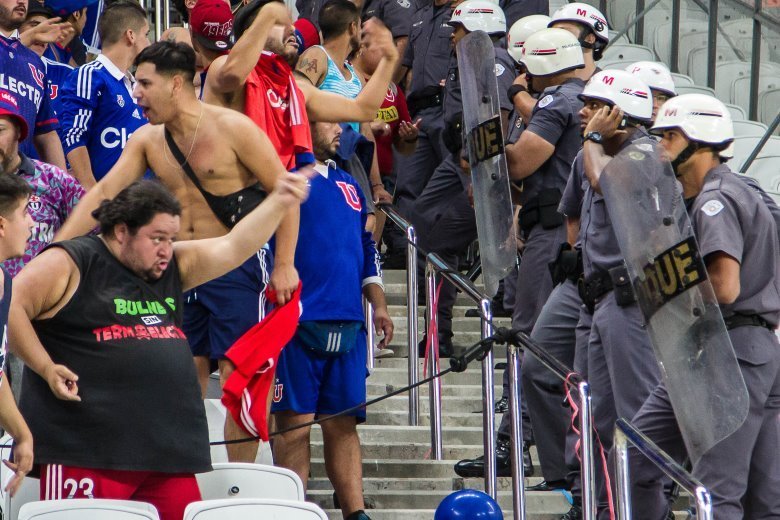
[{"x": 255, "y": 355}]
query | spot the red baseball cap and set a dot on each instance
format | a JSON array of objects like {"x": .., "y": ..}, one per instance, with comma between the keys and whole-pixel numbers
[
  {"x": 211, "y": 22},
  {"x": 9, "y": 107},
  {"x": 306, "y": 33}
]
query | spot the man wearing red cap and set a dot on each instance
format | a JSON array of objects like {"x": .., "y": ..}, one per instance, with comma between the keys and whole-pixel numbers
[{"x": 211, "y": 29}]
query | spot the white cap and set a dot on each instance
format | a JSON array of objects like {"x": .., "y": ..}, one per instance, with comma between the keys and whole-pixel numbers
[
  {"x": 655, "y": 74},
  {"x": 584, "y": 14},
  {"x": 622, "y": 89},
  {"x": 521, "y": 30},
  {"x": 551, "y": 51},
  {"x": 479, "y": 15},
  {"x": 702, "y": 118}
]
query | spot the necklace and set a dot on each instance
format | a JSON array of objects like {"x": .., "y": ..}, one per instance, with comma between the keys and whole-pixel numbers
[{"x": 192, "y": 145}]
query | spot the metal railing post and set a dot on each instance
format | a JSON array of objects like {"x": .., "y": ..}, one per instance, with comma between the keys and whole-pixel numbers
[
  {"x": 625, "y": 434},
  {"x": 516, "y": 428},
  {"x": 622, "y": 475},
  {"x": 588, "y": 475},
  {"x": 434, "y": 392},
  {"x": 411, "y": 323},
  {"x": 368, "y": 311},
  {"x": 158, "y": 20},
  {"x": 166, "y": 14},
  {"x": 488, "y": 406}
]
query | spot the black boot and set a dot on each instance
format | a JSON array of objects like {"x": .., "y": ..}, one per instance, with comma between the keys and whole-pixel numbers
[
  {"x": 358, "y": 515},
  {"x": 468, "y": 468}
]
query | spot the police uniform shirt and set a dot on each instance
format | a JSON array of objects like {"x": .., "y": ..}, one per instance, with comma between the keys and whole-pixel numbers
[
  {"x": 393, "y": 13},
  {"x": 428, "y": 51},
  {"x": 453, "y": 100},
  {"x": 555, "y": 118},
  {"x": 730, "y": 217},
  {"x": 99, "y": 112},
  {"x": 600, "y": 249}
]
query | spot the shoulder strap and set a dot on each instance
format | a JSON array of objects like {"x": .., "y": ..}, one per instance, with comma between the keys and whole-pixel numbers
[{"x": 183, "y": 162}]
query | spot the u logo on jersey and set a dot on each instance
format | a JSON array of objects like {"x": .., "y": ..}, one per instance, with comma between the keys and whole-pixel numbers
[
  {"x": 37, "y": 75},
  {"x": 350, "y": 195}
]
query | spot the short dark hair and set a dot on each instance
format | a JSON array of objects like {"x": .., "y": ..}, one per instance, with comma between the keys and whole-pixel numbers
[
  {"x": 169, "y": 58},
  {"x": 136, "y": 206},
  {"x": 335, "y": 17},
  {"x": 118, "y": 17},
  {"x": 12, "y": 189}
]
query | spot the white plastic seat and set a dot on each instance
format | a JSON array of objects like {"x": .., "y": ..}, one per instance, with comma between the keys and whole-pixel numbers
[
  {"x": 623, "y": 40},
  {"x": 695, "y": 89},
  {"x": 662, "y": 39},
  {"x": 241, "y": 480},
  {"x": 740, "y": 89},
  {"x": 696, "y": 64},
  {"x": 243, "y": 509},
  {"x": 737, "y": 113},
  {"x": 766, "y": 170},
  {"x": 749, "y": 128},
  {"x": 744, "y": 145},
  {"x": 768, "y": 103},
  {"x": 614, "y": 64},
  {"x": 681, "y": 79},
  {"x": 628, "y": 52},
  {"x": 88, "y": 509}
]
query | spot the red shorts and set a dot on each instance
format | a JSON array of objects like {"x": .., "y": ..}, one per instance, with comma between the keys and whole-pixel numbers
[{"x": 169, "y": 493}]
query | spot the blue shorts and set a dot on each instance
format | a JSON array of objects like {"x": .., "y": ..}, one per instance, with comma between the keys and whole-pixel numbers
[
  {"x": 307, "y": 382},
  {"x": 219, "y": 312}
]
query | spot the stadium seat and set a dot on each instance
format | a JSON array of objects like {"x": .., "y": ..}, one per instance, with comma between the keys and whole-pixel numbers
[
  {"x": 744, "y": 145},
  {"x": 662, "y": 39},
  {"x": 240, "y": 480},
  {"x": 768, "y": 103},
  {"x": 623, "y": 40},
  {"x": 737, "y": 114},
  {"x": 696, "y": 65},
  {"x": 242, "y": 509},
  {"x": 740, "y": 90},
  {"x": 766, "y": 170},
  {"x": 749, "y": 128},
  {"x": 88, "y": 509},
  {"x": 695, "y": 89},
  {"x": 628, "y": 52},
  {"x": 29, "y": 491},
  {"x": 681, "y": 80},
  {"x": 614, "y": 64},
  {"x": 726, "y": 72}
]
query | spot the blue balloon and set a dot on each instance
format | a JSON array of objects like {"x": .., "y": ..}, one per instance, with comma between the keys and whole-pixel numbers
[{"x": 468, "y": 504}]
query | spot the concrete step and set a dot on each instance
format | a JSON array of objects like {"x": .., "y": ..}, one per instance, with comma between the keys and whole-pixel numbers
[
  {"x": 401, "y": 404},
  {"x": 389, "y": 514},
  {"x": 539, "y": 504},
  {"x": 400, "y": 376},
  {"x": 407, "y": 451},
  {"x": 449, "y": 418},
  {"x": 375, "y": 433},
  {"x": 376, "y": 389},
  {"x": 422, "y": 484}
]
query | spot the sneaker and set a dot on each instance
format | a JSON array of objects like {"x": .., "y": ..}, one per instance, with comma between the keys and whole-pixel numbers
[
  {"x": 575, "y": 513},
  {"x": 380, "y": 353}
]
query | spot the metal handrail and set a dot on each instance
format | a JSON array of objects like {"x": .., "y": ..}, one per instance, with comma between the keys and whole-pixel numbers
[
  {"x": 626, "y": 433},
  {"x": 435, "y": 265},
  {"x": 412, "y": 309},
  {"x": 760, "y": 144}
]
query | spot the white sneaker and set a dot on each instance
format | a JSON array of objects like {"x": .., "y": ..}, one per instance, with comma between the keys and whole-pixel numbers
[{"x": 382, "y": 353}]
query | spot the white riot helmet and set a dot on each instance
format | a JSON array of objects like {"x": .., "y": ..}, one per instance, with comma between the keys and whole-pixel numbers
[
  {"x": 591, "y": 18},
  {"x": 480, "y": 15},
  {"x": 521, "y": 30},
  {"x": 624, "y": 90},
  {"x": 655, "y": 74},
  {"x": 551, "y": 51},
  {"x": 702, "y": 118}
]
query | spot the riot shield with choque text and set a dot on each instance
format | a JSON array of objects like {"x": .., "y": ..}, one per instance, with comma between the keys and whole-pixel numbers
[
  {"x": 485, "y": 144},
  {"x": 699, "y": 367}
]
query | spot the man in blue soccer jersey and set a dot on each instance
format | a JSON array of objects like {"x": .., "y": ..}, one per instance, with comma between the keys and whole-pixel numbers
[
  {"x": 22, "y": 74},
  {"x": 322, "y": 370},
  {"x": 99, "y": 112}
]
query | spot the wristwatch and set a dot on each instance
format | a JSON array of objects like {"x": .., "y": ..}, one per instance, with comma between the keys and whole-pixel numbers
[{"x": 596, "y": 137}]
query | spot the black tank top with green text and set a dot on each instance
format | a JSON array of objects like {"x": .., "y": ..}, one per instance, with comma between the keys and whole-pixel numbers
[{"x": 141, "y": 407}]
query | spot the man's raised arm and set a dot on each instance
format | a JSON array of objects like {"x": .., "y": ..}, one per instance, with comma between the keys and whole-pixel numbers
[
  {"x": 330, "y": 107},
  {"x": 227, "y": 74},
  {"x": 130, "y": 167}
]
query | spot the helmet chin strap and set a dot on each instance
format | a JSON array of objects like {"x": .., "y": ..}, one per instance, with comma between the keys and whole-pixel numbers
[{"x": 683, "y": 156}]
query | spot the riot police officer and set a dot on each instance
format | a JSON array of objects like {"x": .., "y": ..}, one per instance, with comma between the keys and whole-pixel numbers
[
  {"x": 737, "y": 240},
  {"x": 657, "y": 76}
]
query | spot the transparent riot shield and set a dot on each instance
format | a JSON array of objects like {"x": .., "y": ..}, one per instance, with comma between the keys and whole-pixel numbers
[
  {"x": 670, "y": 281},
  {"x": 485, "y": 144}
]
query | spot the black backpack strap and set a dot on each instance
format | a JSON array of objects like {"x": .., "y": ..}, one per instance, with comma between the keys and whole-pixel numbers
[{"x": 184, "y": 164}]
